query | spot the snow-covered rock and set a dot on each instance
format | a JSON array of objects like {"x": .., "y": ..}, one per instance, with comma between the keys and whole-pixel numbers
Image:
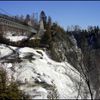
[
  {"x": 4, "y": 51},
  {"x": 43, "y": 78}
]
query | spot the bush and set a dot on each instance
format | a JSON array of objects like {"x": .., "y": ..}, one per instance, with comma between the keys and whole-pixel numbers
[{"x": 11, "y": 90}]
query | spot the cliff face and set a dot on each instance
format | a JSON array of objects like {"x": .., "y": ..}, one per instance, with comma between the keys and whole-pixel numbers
[
  {"x": 41, "y": 77},
  {"x": 45, "y": 78},
  {"x": 64, "y": 48},
  {"x": 85, "y": 58},
  {"x": 70, "y": 68}
]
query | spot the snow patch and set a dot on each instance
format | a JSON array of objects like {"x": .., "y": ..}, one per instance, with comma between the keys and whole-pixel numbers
[{"x": 16, "y": 38}]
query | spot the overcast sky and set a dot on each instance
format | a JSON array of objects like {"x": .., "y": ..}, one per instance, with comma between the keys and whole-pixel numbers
[{"x": 66, "y": 13}]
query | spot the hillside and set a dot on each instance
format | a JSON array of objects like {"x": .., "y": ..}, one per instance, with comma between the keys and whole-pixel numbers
[
  {"x": 41, "y": 77},
  {"x": 52, "y": 63}
]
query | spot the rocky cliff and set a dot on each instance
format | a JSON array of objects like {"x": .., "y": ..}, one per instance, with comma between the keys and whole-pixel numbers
[{"x": 43, "y": 73}]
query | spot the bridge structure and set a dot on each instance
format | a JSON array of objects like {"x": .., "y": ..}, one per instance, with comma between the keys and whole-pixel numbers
[{"x": 8, "y": 22}]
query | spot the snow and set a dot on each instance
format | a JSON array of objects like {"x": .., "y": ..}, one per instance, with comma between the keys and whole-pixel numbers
[
  {"x": 9, "y": 65},
  {"x": 4, "y": 51},
  {"x": 42, "y": 75},
  {"x": 35, "y": 38},
  {"x": 36, "y": 92},
  {"x": 16, "y": 38}
]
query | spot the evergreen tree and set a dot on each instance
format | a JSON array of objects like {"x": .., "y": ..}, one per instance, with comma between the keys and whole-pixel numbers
[
  {"x": 9, "y": 91},
  {"x": 22, "y": 18},
  {"x": 49, "y": 22},
  {"x": 27, "y": 19},
  {"x": 43, "y": 17},
  {"x": 32, "y": 20}
]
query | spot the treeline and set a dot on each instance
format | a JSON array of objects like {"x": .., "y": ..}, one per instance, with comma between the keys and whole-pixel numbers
[
  {"x": 86, "y": 38},
  {"x": 33, "y": 19},
  {"x": 51, "y": 27}
]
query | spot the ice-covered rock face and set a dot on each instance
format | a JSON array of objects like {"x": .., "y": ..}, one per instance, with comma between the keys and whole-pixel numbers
[{"x": 41, "y": 77}]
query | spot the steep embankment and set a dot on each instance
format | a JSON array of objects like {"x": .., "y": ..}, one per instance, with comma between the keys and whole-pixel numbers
[{"x": 41, "y": 77}]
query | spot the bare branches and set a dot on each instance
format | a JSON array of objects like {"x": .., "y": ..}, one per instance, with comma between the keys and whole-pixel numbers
[{"x": 86, "y": 77}]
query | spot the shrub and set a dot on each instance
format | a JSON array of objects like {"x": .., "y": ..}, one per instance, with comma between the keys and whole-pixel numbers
[{"x": 11, "y": 90}]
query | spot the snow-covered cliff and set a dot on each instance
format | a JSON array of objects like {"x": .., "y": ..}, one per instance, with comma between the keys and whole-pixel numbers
[{"x": 41, "y": 77}]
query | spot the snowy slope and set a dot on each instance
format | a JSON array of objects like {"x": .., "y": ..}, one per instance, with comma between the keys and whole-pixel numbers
[{"x": 41, "y": 77}]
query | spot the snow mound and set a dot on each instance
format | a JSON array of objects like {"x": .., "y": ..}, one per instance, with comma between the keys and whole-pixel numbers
[
  {"x": 4, "y": 51},
  {"x": 42, "y": 78},
  {"x": 16, "y": 38}
]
